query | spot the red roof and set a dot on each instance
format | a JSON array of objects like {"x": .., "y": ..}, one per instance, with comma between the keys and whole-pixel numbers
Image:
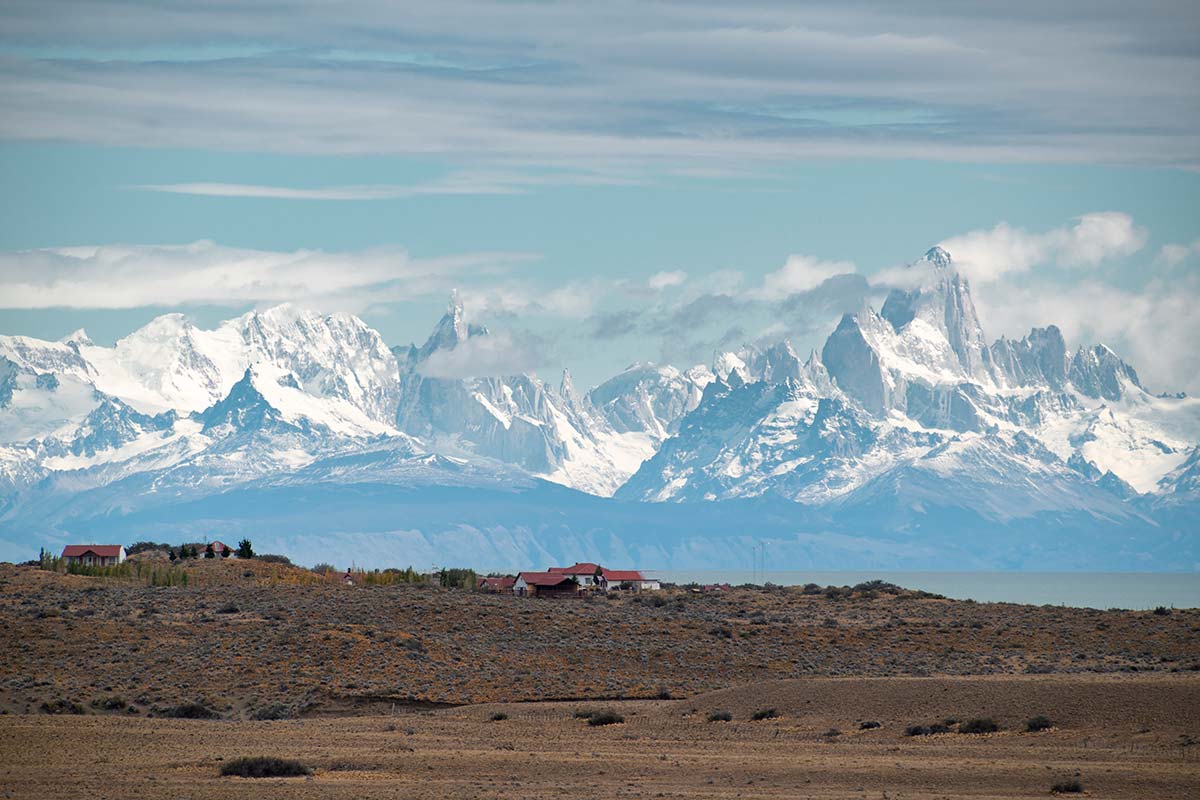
[
  {"x": 103, "y": 550},
  {"x": 544, "y": 578},
  {"x": 623, "y": 575},
  {"x": 582, "y": 568}
]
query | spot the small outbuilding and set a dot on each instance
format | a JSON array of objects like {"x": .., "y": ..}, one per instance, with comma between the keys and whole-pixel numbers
[
  {"x": 629, "y": 579},
  {"x": 94, "y": 555},
  {"x": 496, "y": 583}
]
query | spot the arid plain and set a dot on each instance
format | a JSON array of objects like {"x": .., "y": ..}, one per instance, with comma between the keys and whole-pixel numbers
[{"x": 402, "y": 691}]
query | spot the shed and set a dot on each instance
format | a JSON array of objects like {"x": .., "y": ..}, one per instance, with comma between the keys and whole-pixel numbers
[{"x": 545, "y": 584}]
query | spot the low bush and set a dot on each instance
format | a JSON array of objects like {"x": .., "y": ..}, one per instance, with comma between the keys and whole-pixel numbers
[
  {"x": 926, "y": 730},
  {"x": 228, "y": 608},
  {"x": 605, "y": 718},
  {"x": 61, "y": 706},
  {"x": 583, "y": 713},
  {"x": 1162, "y": 611},
  {"x": 869, "y": 725},
  {"x": 113, "y": 703},
  {"x": 720, "y": 716},
  {"x": 832, "y": 733},
  {"x": 985, "y": 725},
  {"x": 499, "y": 716},
  {"x": 764, "y": 713},
  {"x": 272, "y": 712},
  {"x": 1038, "y": 723},
  {"x": 272, "y": 558},
  {"x": 264, "y": 767},
  {"x": 1072, "y": 786},
  {"x": 191, "y": 711}
]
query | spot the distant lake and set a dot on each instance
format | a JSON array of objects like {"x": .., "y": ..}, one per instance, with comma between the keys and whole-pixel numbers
[{"x": 1134, "y": 590}]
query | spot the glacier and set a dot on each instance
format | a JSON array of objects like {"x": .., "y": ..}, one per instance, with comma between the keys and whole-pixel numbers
[{"x": 907, "y": 441}]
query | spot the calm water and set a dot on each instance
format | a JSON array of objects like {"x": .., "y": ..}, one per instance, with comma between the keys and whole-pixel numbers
[{"x": 1088, "y": 589}]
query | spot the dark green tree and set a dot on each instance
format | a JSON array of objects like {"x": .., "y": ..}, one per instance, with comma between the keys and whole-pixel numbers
[
  {"x": 245, "y": 549},
  {"x": 208, "y": 551}
]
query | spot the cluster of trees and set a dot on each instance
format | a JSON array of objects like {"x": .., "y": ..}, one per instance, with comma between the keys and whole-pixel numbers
[{"x": 244, "y": 550}]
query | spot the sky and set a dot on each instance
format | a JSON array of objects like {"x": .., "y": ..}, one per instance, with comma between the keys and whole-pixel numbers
[{"x": 605, "y": 183}]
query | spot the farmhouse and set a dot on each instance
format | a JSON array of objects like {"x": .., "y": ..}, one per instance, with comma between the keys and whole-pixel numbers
[
  {"x": 628, "y": 579},
  {"x": 590, "y": 576},
  {"x": 94, "y": 555},
  {"x": 545, "y": 584}
]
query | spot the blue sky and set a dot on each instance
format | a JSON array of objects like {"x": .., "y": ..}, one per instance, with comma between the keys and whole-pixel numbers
[{"x": 635, "y": 181}]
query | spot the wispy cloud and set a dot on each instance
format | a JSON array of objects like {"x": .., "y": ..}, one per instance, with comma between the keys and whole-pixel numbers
[
  {"x": 135, "y": 276},
  {"x": 455, "y": 183}
]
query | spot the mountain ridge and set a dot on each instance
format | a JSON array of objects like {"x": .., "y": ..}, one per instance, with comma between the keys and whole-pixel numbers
[{"x": 904, "y": 423}]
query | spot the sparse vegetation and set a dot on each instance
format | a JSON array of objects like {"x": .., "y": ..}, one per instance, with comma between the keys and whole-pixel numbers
[
  {"x": 926, "y": 730},
  {"x": 1162, "y": 611},
  {"x": 499, "y": 716},
  {"x": 264, "y": 767},
  {"x": 764, "y": 713},
  {"x": 720, "y": 716},
  {"x": 61, "y": 706},
  {"x": 869, "y": 725}
]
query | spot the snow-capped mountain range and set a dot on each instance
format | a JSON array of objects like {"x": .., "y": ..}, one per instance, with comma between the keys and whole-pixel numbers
[{"x": 909, "y": 440}]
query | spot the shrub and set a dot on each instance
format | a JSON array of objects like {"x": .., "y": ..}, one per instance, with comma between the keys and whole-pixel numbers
[
  {"x": 1162, "y": 611},
  {"x": 191, "y": 711},
  {"x": 832, "y": 733},
  {"x": 720, "y": 716},
  {"x": 1038, "y": 723},
  {"x": 985, "y": 725},
  {"x": 764, "y": 713},
  {"x": 583, "y": 713},
  {"x": 499, "y": 716},
  {"x": 61, "y": 706},
  {"x": 1072, "y": 786},
  {"x": 926, "y": 730},
  {"x": 605, "y": 718},
  {"x": 324, "y": 569},
  {"x": 113, "y": 703},
  {"x": 272, "y": 558},
  {"x": 228, "y": 608},
  {"x": 142, "y": 547},
  {"x": 869, "y": 725},
  {"x": 272, "y": 711},
  {"x": 264, "y": 767},
  {"x": 663, "y": 694}
]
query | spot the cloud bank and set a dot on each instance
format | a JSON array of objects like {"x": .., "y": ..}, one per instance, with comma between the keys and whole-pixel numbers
[{"x": 619, "y": 87}]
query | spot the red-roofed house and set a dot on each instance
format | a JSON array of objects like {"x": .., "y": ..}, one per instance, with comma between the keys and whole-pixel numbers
[
  {"x": 629, "y": 579},
  {"x": 589, "y": 575},
  {"x": 94, "y": 555},
  {"x": 496, "y": 584},
  {"x": 546, "y": 584}
]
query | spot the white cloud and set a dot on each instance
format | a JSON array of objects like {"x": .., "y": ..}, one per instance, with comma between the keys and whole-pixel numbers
[
  {"x": 987, "y": 255},
  {"x": 133, "y": 276},
  {"x": 1174, "y": 254},
  {"x": 1154, "y": 328},
  {"x": 497, "y": 353},
  {"x": 665, "y": 280},
  {"x": 799, "y": 274}
]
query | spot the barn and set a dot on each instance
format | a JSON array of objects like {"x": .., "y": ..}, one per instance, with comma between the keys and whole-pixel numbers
[
  {"x": 94, "y": 555},
  {"x": 545, "y": 584},
  {"x": 496, "y": 583}
]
